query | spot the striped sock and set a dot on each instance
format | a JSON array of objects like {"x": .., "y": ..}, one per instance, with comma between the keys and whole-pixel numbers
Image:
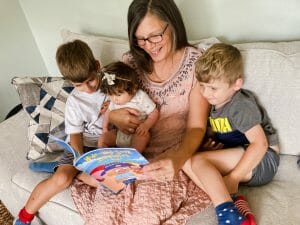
[{"x": 243, "y": 207}]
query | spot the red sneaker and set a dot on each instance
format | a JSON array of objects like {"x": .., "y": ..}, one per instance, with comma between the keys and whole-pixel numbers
[{"x": 243, "y": 207}]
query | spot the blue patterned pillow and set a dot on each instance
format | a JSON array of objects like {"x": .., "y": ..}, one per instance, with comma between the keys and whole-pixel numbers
[{"x": 43, "y": 99}]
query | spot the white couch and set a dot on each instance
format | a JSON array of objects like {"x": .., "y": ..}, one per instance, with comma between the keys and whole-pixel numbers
[{"x": 272, "y": 71}]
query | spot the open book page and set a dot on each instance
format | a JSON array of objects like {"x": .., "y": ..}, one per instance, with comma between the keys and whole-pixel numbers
[{"x": 113, "y": 168}]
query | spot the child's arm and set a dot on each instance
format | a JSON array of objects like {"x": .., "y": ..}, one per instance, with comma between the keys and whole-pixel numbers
[
  {"x": 144, "y": 127},
  {"x": 250, "y": 159},
  {"x": 76, "y": 141},
  {"x": 104, "y": 107},
  {"x": 105, "y": 123}
]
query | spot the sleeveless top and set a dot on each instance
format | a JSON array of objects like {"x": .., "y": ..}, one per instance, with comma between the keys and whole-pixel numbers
[{"x": 172, "y": 99}]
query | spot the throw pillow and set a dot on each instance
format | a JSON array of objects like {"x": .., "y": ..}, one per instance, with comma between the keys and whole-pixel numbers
[
  {"x": 43, "y": 99},
  {"x": 105, "y": 49}
]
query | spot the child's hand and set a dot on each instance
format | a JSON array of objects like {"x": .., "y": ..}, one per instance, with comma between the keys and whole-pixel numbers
[
  {"x": 104, "y": 107},
  {"x": 211, "y": 144},
  {"x": 142, "y": 129}
]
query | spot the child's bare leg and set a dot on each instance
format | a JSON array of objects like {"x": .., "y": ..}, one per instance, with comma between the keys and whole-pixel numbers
[
  {"x": 46, "y": 189},
  {"x": 107, "y": 139},
  {"x": 210, "y": 178},
  {"x": 140, "y": 142},
  {"x": 210, "y": 167},
  {"x": 87, "y": 179},
  {"x": 187, "y": 168}
]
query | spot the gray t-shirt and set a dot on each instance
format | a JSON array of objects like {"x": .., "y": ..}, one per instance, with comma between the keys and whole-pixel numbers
[{"x": 243, "y": 112}]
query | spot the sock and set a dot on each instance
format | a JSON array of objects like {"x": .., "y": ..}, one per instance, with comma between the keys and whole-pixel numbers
[
  {"x": 25, "y": 216},
  {"x": 43, "y": 166},
  {"x": 227, "y": 213},
  {"x": 243, "y": 207}
]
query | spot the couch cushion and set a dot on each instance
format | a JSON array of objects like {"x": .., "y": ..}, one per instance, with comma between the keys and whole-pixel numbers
[
  {"x": 43, "y": 99},
  {"x": 104, "y": 49},
  {"x": 27, "y": 180},
  {"x": 272, "y": 71}
]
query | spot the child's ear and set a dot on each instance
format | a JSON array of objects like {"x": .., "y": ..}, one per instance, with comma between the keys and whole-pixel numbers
[
  {"x": 238, "y": 84},
  {"x": 98, "y": 65}
]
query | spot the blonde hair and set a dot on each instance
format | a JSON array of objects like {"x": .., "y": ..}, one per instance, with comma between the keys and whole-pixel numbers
[
  {"x": 76, "y": 61},
  {"x": 220, "y": 61}
]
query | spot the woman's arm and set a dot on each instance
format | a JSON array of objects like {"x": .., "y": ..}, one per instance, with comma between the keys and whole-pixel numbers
[
  {"x": 105, "y": 123},
  {"x": 167, "y": 165}
]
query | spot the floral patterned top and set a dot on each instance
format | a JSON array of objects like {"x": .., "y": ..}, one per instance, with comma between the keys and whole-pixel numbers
[{"x": 172, "y": 99}]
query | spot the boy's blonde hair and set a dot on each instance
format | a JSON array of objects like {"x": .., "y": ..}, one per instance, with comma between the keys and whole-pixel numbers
[
  {"x": 76, "y": 61},
  {"x": 118, "y": 77},
  {"x": 220, "y": 61}
]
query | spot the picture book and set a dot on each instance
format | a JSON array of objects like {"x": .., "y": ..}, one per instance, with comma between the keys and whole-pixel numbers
[{"x": 113, "y": 168}]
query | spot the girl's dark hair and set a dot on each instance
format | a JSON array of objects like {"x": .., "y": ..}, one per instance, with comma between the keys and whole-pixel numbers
[
  {"x": 125, "y": 79},
  {"x": 167, "y": 11}
]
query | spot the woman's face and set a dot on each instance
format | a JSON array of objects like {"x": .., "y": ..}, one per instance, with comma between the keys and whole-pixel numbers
[{"x": 155, "y": 37}]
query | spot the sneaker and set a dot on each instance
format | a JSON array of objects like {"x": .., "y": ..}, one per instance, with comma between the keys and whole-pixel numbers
[
  {"x": 19, "y": 222},
  {"x": 243, "y": 207}
]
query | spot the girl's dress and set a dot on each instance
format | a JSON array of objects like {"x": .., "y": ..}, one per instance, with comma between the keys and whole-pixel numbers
[{"x": 152, "y": 202}]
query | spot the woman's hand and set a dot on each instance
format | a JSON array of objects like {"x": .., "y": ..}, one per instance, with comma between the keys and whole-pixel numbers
[
  {"x": 125, "y": 119},
  {"x": 164, "y": 168}
]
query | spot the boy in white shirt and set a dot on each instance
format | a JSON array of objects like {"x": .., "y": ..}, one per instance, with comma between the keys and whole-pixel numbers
[{"x": 83, "y": 122}]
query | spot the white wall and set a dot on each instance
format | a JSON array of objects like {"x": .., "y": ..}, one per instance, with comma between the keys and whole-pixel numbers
[
  {"x": 229, "y": 20},
  {"x": 19, "y": 54}
]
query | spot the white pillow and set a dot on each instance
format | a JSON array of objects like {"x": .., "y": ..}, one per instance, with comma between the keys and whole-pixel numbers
[
  {"x": 104, "y": 49},
  {"x": 272, "y": 71}
]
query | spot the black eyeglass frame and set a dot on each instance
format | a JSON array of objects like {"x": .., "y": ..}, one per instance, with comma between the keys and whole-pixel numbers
[{"x": 152, "y": 39}]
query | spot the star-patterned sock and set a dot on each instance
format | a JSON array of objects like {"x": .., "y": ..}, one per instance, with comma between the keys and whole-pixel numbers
[{"x": 228, "y": 214}]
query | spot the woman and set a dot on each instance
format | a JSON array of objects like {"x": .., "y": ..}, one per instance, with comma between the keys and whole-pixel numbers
[{"x": 161, "y": 54}]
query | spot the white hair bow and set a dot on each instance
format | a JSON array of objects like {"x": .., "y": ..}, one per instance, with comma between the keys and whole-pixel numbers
[{"x": 110, "y": 78}]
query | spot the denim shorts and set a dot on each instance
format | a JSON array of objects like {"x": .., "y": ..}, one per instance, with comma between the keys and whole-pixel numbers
[{"x": 264, "y": 172}]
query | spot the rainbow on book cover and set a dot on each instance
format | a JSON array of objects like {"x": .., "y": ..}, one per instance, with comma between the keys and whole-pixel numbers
[{"x": 114, "y": 168}]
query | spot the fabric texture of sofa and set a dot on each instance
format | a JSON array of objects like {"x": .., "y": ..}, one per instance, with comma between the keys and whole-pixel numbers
[{"x": 272, "y": 70}]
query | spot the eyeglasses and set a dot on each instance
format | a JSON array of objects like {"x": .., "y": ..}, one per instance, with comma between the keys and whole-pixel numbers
[{"x": 152, "y": 39}]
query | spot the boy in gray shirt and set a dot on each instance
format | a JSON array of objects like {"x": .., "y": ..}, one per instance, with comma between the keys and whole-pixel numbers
[{"x": 250, "y": 143}]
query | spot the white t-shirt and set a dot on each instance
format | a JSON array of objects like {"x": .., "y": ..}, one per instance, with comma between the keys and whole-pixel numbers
[
  {"x": 141, "y": 101},
  {"x": 82, "y": 115}
]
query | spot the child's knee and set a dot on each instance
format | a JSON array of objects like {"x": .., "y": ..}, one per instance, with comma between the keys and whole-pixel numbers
[
  {"x": 62, "y": 180},
  {"x": 197, "y": 161}
]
